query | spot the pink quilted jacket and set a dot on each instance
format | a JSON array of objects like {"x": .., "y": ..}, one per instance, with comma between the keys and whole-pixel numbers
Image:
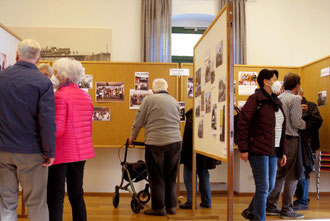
[{"x": 74, "y": 111}]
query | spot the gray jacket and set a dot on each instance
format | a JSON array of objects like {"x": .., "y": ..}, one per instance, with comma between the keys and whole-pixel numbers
[{"x": 159, "y": 114}]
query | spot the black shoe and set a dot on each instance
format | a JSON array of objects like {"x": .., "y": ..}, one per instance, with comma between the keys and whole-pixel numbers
[
  {"x": 171, "y": 211},
  {"x": 273, "y": 212},
  {"x": 292, "y": 215},
  {"x": 247, "y": 214},
  {"x": 299, "y": 207},
  {"x": 186, "y": 206},
  {"x": 155, "y": 212},
  {"x": 205, "y": 205}
]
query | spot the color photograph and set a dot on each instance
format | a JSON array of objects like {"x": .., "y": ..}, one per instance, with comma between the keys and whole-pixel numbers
[
  {"x": 141, "y": 81},
  {"x": 101, "y": 114},
  {"x": 110, "y": 91},
  {"x": 3, "y": 61},
  {"x": 136, "y": 98}
]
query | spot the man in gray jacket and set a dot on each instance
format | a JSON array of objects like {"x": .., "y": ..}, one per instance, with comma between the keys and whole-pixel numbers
[
  {"x": 159, "y": 114},
  {"x": 287, "y": 175}
]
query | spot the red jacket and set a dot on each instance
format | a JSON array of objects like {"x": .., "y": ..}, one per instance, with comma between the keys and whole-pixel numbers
[
  {"x": 74, "y": 111},
  {"x": 256, "y": 129}
]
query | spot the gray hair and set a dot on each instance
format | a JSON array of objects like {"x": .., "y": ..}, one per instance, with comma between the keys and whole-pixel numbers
[
  {"x": 68, "y": 69},
  {"x": 46, "y": 66},
  {"x": 159, "y": 84},
  {"x": 29, "y": 49}
]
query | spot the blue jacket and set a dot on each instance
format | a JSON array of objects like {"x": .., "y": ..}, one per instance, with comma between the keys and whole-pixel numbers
[{"x": 27, "y": 111}]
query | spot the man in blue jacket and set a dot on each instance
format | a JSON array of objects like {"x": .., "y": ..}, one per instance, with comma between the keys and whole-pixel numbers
[{"x": 27, "y": 134}]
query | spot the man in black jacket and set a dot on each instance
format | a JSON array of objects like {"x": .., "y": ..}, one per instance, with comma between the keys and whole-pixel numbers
[
  {"x": 27, "y": 134},
  {"x": 309, "y": 144}
]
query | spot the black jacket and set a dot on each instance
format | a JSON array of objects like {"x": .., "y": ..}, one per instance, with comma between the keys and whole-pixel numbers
[
  {"x": 27, "y": 111},
  {"x": 309, "y": 139},
  {"x": 186, "y": 153}
]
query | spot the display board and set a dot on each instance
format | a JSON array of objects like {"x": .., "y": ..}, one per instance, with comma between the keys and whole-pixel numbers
[
  {"x": 113, "y": 133},
  {"x": 211, "y": 91},
  {"x": 313, "y": 84},
  {"x": 8, "y": 46}
]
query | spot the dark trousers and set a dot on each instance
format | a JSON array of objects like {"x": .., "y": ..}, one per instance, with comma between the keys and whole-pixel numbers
[
  {"x": 286, "y": 176},
  {"x": 162, "y": 165},
  {"x": 73, "y": 173},
  {"x": 302, "y": 192}
]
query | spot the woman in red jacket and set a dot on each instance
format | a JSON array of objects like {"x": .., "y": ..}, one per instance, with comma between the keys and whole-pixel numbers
[
  {"x": 261, "y": 139},
  {"x": 74, "y": 111}
]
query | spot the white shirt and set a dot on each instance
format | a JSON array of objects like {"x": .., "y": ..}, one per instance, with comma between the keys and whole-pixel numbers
[{"x": 279, "y": 119}]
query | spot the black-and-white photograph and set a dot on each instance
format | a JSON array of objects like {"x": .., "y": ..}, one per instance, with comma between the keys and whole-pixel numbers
[
  {"x": 198, "y": 88},
  {"x": 101, "y": 114},
  {"x": 222, "y": 90},
  {"x": 86, "y": 81},
  {"x": 110, "y": 91},
  {"x": 212, "y": 68},
  {"x": 182, "y": 106},
  {"x": 207, "y": 102},
  {"x": 136, "y": 97},
  {"x": 190, "y": 87},
  {"x": 322, "y": 98},
  {"x": 198, "y": 111},
  {"x": 141, "y": 81},
  {"x": 203, "y": 101},
  {"x": 219, "y": 53},
  {"x": 214, "y": 119},
  {"x": 200, "y": 129},
  {"x": 208, "y": 71}
]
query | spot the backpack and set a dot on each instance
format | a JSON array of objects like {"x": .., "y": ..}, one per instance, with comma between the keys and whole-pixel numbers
[{"x": 236, "y": 117}]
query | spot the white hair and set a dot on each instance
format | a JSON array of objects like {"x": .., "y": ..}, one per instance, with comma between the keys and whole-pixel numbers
[
  {"x": 159, "y": 84},
  {"x": 29, "y": 49},
  {"x": 48, "y": 67},
  {"x": 68, "y": 69}
]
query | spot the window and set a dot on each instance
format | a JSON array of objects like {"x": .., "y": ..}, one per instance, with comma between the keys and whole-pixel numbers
[{"x": 183, "y": 42}]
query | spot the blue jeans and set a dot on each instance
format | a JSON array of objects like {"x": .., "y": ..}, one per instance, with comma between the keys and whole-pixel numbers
[
  {"x": 204, "y": 184},
  {"x": 302, "y": 192},
  {"x": 264, "y": 173}
]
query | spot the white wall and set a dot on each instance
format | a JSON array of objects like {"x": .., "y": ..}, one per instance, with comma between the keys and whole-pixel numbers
[
  {"x": 287, "y": 32},
  {"x": 122, "y": 17}
]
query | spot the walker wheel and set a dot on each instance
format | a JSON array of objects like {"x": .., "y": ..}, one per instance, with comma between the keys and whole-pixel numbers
[
  {"x": 135, "y": 205},
  {"x": 143, "y": 196}
]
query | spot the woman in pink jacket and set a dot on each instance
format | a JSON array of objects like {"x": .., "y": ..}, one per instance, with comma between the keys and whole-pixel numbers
[{"x": 74, "y": 111}]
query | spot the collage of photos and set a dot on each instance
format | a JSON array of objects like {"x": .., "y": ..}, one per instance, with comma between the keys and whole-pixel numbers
[
  {"x": 207, "y": 107},
  {"x": 136, "y": 97},
  {"x": 110, "y": 91},
  {"x": 101, "y": 114}
]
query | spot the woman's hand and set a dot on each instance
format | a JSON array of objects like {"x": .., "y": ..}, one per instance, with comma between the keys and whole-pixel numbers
[
  {"x": 283, "y": 161},
  {"x": 244, "y": 156}
]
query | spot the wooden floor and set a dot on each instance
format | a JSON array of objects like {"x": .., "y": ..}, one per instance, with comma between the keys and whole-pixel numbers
[{"x": 101, "y": 209}]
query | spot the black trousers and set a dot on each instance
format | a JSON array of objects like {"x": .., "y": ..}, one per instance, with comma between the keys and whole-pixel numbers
[
  {"x": 74, "y": 174},
  {"x": 162, "y": 165}
]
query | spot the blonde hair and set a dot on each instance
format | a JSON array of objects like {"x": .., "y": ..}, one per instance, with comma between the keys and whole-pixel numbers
[
  {"x": 68, "y": 69},
  {"x": 29, "y": 49}
]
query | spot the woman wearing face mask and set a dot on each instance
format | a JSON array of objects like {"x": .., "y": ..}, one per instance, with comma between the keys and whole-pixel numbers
[{"x": 261, "y": 139}]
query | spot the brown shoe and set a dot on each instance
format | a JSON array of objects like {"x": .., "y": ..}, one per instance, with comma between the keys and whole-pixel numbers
[
  {"x": 171, "y": 211},
  {"x": 155, "y": 212}
]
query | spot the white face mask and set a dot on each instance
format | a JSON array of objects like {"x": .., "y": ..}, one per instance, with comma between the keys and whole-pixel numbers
[
  {"x": 55, "y": 81},
  {"x": 276, "y": 87}
]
